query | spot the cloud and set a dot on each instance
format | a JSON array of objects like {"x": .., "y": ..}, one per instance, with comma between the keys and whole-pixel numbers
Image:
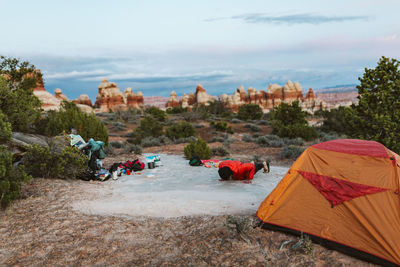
[
  {"x": 304, "y": 18},
  {"x": 76, "y": 74},
  {"x": 155, "y": 78}
]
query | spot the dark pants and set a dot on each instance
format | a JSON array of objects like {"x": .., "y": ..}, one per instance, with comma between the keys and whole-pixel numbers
[{"x": 258, "y": 166}]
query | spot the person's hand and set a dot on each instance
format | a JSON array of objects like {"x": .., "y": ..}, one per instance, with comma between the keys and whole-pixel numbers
[{"x": 266, "y": 169}]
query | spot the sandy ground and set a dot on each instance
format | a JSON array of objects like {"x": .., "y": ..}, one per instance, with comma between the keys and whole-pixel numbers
[{"x": 42, "y": 229}]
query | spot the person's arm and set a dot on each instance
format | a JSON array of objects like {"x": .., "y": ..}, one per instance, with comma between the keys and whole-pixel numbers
[{"x": 248, "y": 170}]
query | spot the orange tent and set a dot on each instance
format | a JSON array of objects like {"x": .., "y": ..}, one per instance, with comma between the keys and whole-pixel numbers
[{"x": 344, "y": 194}]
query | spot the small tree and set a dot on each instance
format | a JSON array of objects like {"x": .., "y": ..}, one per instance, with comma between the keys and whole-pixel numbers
[
  {"x": 250, "y": 112},
  {"x": 199, "y": 148},
  {"x": 290, "y": 121},
  {"x": 377, "y": 115},
  {"x": 17, "y": 101}
]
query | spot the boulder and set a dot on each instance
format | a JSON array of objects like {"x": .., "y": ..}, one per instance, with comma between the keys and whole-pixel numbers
[{"x": 29, "y": 139}]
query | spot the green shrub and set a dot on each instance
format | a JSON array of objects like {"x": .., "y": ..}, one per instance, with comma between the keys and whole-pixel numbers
[
  {"x": 296, "y": 141},
  {"x": 70, "y": 116},
  {"x": 48, "y": 163},
  {"x": 148, "y": 127},
  {"x": 176, "y": 110},
  {"x": 247, "y": 138},
  {"x": 151, "y": 141},
  {"x": 180, "y": 130},
  {"x": 250, "y": 112},
  {"x": 199, "y": 125},
  {"x": 199, "y": 148},
  {"x": 157, "y": 113},
  {"x": 263, "y": 122},
  {"x": 116, "y": 144},
  {"x": 252, "y": 127},
  {"x": 109, "y": 150},
  {"x": 219, "y": 151},
  {"x": 217, "y": 139},
  {"x": 133, "y": 148},
  {"x": 11, "y": 178},
  {"x": 184, "y": 140},
  {"x": 5, "y": 129},
  {"x": 194, "y": 116},
  {"x": 236, "y": 121},
  {"x": 334, "y": 119},
  {"x": 222, "y": 126},
  {"x": 131, "y": 115},
  {"x": 118, "y": 126},
  {"x": 291, "y": 152},
  {"x": 228, "y": 141},
  {"x": 330, "y": 136}
]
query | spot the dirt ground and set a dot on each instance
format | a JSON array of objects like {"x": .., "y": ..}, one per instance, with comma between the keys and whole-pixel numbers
[{"x": 42, "y": 229}]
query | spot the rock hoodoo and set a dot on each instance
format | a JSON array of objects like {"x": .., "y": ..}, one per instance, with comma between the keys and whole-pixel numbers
[
  {"x": 49, "y": 102},
  {"x": 109, "y": 97},
  {"x": 173, "y": 101},
  {"x": 59, "y": 95},
  {"x": 83, "y": 100}
]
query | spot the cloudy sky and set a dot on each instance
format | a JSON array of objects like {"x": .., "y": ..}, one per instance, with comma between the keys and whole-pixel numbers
[{"x": 159, "y": 46}]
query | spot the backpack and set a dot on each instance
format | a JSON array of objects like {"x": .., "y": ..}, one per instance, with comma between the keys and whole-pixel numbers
[
  {"x": 195, "y": 161},
  {"x": 137, "y": 165}
]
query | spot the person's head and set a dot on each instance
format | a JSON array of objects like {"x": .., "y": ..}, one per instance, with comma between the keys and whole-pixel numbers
[
  {"x": 225, "y": 173},
  {"x": 74, "y": 131}
]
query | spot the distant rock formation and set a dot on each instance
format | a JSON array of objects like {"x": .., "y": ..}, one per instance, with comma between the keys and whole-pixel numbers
[
  {"x": 200, "y": 97},
  {"x": 109, "y": 97},
  {"x": 274, "y": 96}
]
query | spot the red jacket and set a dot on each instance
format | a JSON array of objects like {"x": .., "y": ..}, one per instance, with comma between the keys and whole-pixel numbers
[{"x": 241, "y": 171}]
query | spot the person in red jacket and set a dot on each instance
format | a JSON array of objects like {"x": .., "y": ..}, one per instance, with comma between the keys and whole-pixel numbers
[{"x": 236, "y": 170}]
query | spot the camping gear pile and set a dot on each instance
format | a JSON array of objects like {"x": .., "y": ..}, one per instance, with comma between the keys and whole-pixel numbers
[
  {"x": 128, "y": 167},
  {"x": 343, "y": 194},
  {"x": 95, "y": 152}
]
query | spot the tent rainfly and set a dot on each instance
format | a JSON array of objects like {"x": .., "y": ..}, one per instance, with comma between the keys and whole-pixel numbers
[{"x": 345, "y": 195}]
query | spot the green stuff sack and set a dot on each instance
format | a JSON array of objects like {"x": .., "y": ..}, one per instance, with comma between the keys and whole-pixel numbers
[{"x": 195, "y": 161}]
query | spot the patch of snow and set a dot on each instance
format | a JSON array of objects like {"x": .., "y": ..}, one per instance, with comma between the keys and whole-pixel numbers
[{"x": 177, "y": 189}]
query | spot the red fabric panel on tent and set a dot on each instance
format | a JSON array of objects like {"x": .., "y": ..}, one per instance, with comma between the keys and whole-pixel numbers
[
  {"x": 337, "y": 191},
  {"x": 355, "y": 146}
]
